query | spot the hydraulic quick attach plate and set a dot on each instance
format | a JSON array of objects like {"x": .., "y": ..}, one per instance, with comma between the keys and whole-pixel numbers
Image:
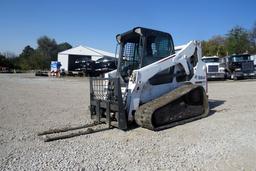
[{"x": 106, "y": 99}]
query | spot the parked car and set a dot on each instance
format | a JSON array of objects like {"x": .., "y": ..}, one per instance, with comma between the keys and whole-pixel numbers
[
  {"x": 240, "y": 66},
  {"x": 216, "y": 67},
  {"x": 85, "y": 65},
  {"x": 105, "y": 64}
]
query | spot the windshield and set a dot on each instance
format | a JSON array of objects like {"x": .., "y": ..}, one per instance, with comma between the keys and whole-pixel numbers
[
  {"x": 240, "y": 58},
  {"x": 210, "y": 60},
  {"x": 130, "y": 59},
  {"x": 157, "y": 47}
]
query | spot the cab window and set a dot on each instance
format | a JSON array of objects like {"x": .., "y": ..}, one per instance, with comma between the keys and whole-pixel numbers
[{"x": 157, "y": 47}]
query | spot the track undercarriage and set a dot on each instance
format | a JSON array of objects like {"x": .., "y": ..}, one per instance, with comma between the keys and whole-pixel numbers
[{"x": 182, "y": 105}]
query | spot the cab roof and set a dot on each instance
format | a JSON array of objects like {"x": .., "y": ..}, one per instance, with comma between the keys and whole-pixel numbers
[{"x": 140, "y": 31}]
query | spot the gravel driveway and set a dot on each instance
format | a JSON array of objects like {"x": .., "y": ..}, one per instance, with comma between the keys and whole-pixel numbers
[{"x": 226, "y": 140}]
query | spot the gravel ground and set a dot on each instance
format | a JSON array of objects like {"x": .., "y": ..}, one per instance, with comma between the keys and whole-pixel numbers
[{"x": 226, "y": 140}]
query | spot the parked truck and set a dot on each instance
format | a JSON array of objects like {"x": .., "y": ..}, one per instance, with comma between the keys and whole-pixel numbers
[
  {"x": 215, "y": 67},
  {"x": 240, "y": 66}
]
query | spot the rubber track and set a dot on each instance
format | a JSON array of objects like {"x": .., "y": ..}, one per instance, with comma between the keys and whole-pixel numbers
[{"x": 144, "y": 114}]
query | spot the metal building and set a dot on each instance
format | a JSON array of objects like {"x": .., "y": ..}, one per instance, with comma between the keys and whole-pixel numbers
[{"x": 68, "y": 57}]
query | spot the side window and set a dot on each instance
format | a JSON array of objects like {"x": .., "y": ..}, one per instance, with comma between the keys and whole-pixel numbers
[
  {"x": 157, "y": 47},
  {"x": 164, "y": 77},
  {"x": 163, "y": 47}
]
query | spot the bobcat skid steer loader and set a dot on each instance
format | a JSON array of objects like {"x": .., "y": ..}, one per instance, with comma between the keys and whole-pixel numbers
[{"x": 155, "y": 86}]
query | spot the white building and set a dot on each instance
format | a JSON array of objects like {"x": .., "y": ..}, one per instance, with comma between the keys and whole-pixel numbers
[{"x": 68, "y": 57}]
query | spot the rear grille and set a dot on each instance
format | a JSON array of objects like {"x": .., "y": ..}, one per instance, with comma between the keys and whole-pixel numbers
[
  {"x": 213, "y": 68},
  {"x": 247, "y": 66}
]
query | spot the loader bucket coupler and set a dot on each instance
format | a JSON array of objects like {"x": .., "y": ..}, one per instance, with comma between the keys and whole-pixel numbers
[{"x": 106, "y": 102}]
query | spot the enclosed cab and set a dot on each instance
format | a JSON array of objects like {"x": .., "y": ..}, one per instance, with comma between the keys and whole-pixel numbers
[
  {"x": 215, "y": 67},
  {"x": 240, "y": 66}
]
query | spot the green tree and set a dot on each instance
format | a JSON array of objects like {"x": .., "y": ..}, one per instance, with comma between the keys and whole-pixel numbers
[
  {"x": 7, "y": 62},
  {"x": 46, "y": 52},
  {"x": 39, "y": 58},
  {"x": 214, "y": 46},
  {"x": 47, "y": 46},
  {"x": 253, "y": 38},
  {"x": 2, "y": 60},
  {"x": 24, "y": 61},
  {"x": 63, "y": 46},
  {"x": 27, "y": 51},
  {"x": 238, "y": 41}
]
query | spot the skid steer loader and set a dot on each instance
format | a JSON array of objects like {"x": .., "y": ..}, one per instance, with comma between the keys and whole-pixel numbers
[{"x": 155, "y": 85}]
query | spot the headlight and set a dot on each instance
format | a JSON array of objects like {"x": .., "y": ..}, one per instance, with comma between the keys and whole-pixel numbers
[
  {"x": 221, "y": 69},
  {"x": 238, "y": 69}
]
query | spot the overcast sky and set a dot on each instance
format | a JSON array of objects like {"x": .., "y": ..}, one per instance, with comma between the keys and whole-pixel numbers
[{"x": 95, "y": 23}]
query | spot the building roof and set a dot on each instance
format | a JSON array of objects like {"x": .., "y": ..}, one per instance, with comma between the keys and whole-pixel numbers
[{"x": 85, "y": 50}]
